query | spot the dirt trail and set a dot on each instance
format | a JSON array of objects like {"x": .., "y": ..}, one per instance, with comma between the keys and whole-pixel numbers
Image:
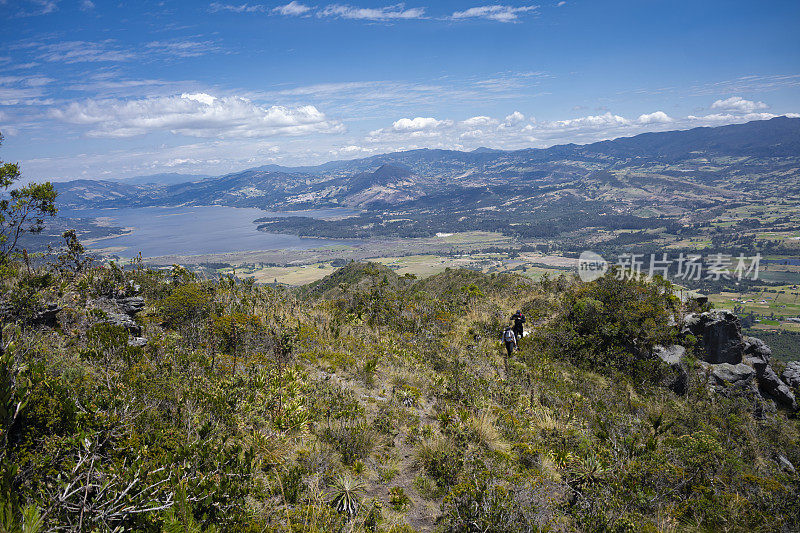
[{"x": 421, "y": 514}]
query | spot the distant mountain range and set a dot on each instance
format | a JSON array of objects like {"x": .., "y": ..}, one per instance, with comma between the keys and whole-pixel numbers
[
  {"x": 704, "y": 162},
  {"x": 168, "y": 178}
]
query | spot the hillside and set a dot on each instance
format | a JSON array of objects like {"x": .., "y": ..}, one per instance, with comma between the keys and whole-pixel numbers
[
  {"x": 732, "y": 189},
  {"x": 763, "y": 147},
  {"x": 145, "y": 400}
]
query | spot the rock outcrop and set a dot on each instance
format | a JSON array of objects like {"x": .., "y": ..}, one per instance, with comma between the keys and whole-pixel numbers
[
  {"x": 120, "y": 312},
  {"x": 791, "y": 375},
  {"x": 720, "y": 333},
  {"x": 732, "y": 361}
]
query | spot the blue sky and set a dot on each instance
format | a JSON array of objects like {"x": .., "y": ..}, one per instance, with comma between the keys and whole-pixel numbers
[{"x": 106, "y": 90}]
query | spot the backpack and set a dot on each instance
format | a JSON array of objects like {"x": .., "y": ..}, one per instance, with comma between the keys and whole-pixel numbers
[{"x": 509, "y": 336}]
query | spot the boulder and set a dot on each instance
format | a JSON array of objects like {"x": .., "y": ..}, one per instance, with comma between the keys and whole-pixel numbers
[
  {"x": 131, "y": 305},
  {"x": 786, "y": 465},
  {"x": 726, "y": 374},
  {"x": 47, "y": 316},
  {"x": 756, "y": 353},
  {"x": 771, "y": 385},
  {"x": 791, "y": 375},
  {"x": 125, "y": 321},
  {"x": 137, "y": 341},
  {"x": 720, "y": 334},
  {"x": 673, "y": 355}
]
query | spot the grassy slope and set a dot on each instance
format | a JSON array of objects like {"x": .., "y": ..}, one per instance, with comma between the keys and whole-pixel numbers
[{"x": 399, "y": 383}]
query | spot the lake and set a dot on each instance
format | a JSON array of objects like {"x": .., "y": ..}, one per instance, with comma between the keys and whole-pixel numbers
[{"x": 160, "y": 231}]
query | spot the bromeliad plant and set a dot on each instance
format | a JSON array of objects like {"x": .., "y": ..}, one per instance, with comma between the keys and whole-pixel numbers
[{"x": 348, "y": 491}]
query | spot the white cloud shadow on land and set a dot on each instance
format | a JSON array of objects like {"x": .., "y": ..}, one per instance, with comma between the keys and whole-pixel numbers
[{"x": 195, "y": 115}]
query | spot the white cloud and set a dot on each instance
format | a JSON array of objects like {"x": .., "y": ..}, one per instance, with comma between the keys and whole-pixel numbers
[
  {"x": 394, "y": 12},
  {"x": 479, "y": 121},
  {"x": 737, "y": 104},
  {"x": 23, "y": 90},
  {"x": 497, "y": 13},
  {"x": 216, "y": 7},
  {"x": 43, "y": 7},
  {"x": 81, "y": 52},
  {"x": 471, "y": 134},
  {"x": 513, "y": 119},
  {"x": 561, "y": 4},
  {"x": 183, "y": 48},
  {"x": 730, "y": 118},
  {"x": 292, "y": 9},
  {"x": 658, "y": 117},
  {"x": 406, "y": 125},
  {"x": 196, "y": 115},
  {"x": 203, "y": 98},
  {"x": 593, "y": 121},
  {"x": 87, "y": 5}
]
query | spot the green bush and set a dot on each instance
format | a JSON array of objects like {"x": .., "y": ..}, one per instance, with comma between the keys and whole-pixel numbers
[{"x": 352, "y": 438}]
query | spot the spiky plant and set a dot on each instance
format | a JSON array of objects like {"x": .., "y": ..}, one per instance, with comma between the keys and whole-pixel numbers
[{"x": 347, "y": 491}]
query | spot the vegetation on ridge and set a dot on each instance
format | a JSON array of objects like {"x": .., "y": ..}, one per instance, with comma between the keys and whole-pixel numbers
[{"x": 369, "y": 402}]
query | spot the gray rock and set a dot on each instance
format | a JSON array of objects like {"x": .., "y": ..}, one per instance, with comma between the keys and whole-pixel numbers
[
  {"x": 131, "y": 305},
  {"x": 120, "y": 319},
  {"x": 137, "y": 341},
  {"x": 47, "y": 316},
  {"x": 740, "y": 375},
  {"x": 756, "y": 352},
  {"x": 672, "y": 355},
  {"x": 786, "y": 465},
  {"x": 722, "y": 338},
  {"x": 771, "y": 385},
  {"x": 791, "y": 375}
]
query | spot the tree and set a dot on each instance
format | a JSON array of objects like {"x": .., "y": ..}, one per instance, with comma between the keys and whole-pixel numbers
[{"x": 22, "y": 210}]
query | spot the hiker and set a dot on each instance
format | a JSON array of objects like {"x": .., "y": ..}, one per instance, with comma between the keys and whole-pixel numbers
[
  {"x": 510, "y": 338},
  {"x": 518, "y": 319}
]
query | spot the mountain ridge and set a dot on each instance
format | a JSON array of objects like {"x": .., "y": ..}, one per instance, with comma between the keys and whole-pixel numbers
[{"x": 681, "y": 159}]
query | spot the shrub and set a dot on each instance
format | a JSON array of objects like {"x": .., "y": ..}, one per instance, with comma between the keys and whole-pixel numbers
[
  {"x": 398, "y": 499},
  {"x": 612, "y": 323},
  {"x": 488, "y": 505},
  {"x": 354, "y": 440},
  {"x": 186, "y": 303},
  {"x": 442, "y": 461}
]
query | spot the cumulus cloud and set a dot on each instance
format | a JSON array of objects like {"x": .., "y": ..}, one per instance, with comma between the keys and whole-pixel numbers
[
  {"x": 593, "y": 121},
  {"x": 406, "y": 125},
  {"x": 292, "y": 9},
  {"x": 658, "y": 117},
  {"x": 394, "y": 12},
  {"x": 737, "y": 104},
  {"x": 479, "y": 121},
  {"x": 513, "y": 119},
  {"x": 471, "y": 134},
  {"x": 729, "y": 118},
  {"x": 499, "y": 13},
  {"x": 197, "y": 115}
]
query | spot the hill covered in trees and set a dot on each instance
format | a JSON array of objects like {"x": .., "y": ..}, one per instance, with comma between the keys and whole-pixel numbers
[{"x": 152, "y": 400}]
